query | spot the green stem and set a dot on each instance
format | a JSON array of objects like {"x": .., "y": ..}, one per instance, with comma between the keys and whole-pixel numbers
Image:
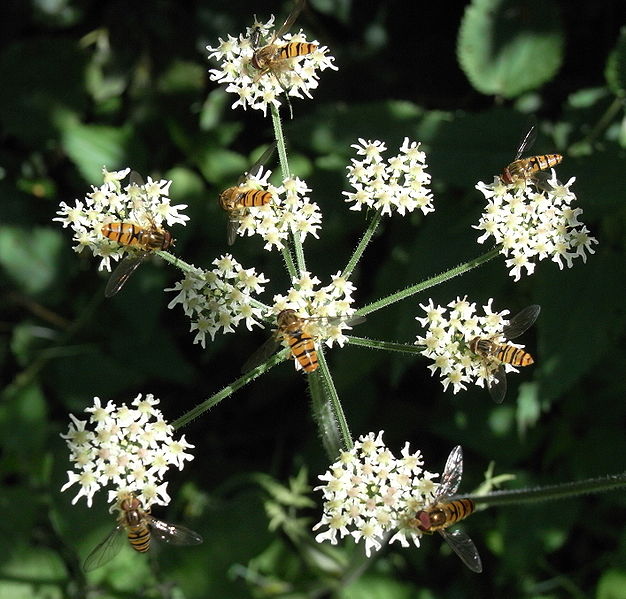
[
  {"x": 289, "y": 263},
  {"x": 286, "y": 174},
  {"x": 560, "y": 491},
  {"x": 228, "y": 390},
  {"x": 405, "y": 348},
  {"x": 335, "y": 402},
  {"x": 437, "y": 280},
  {"x": 360, "y": 248}
]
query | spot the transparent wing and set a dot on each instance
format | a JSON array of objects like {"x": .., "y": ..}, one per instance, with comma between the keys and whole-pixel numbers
[
  {"x": 464, "y": 547},
  {"x": 173, "y": 534},
  {"x": 256, "y": 167},
  {"x": 122, "y": 272},
  {"x": 451, "y": 477},
  {"x": 261, "y": 354},
  {"x": 521, "y": 321},
  {"x": 231, "y": 229},
  {"x": 106, "y": 550},
  {"x": 291, "y": 19},
  {"x": 527, "y": 141},
  {"x": 136, "y": 179},
  {"x": 497, "y": 384},
  {"x": 540, "y": 179}
]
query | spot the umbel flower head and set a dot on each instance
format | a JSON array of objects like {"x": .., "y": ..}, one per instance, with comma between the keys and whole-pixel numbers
[
  {"x": 329, "y": 308},
  {"x": 290, "y": 210},
  {"x": 370, "y": 494},
  {"x": 399, "y": 184},
  {"x": 448, "y": 342},
  {"x": 128, "y": 448},
  {"x": 220, "y": 298},
  {"x": 145, "y": 205},
  {"x": 533, "y": 224},
  {"x": 260, "y": 88}
]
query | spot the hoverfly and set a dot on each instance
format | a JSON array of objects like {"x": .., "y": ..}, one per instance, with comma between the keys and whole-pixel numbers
[
  {"x": 293, "y": 328},
  {"x": 276, "y": 58},
  {"x": 145, "y": 239},
  {"x": 237, "y": 199},
  {"x": 493, "y": 352},
  {"x": 443, "y": 513},
  {"x": 138, "y": 526},
  {"x": 531, "y": 167}
]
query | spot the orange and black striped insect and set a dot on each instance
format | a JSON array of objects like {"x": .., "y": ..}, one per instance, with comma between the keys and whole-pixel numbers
[
  {"x": 142, "y": 239},
  {"x": 530, "y": 168},
  {"x": 294, "y": 330},
  {"x": 499, "y": 354},
  {"x": 444, "y": 512},
  {"x": 277, "y": 58},
  {"x": 138, "y": 526},
  {"x": 237, "y": 199}
]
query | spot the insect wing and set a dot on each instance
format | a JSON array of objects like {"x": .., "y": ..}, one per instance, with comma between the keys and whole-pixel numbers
[
  {"x": 122, "y": 272},
  {"x": 464, "y": 547},
  {"x": 105, "y": 551},
  {"x": 232, "y": 225},
  {"x": 496, "y": 383},
  {"x": 255, "y": 169},
  {"x": 173, "y": 534},
  {"x": 521, "y": 321},
  {"x": 540, "y": 179},
  {"x": 451, "y": 477},
  {"x": 291, "y": 19},
  {"x": 527, "y": 141},
  {"x": 261, "y": 354},
  {"x": 136, "y": 179}
]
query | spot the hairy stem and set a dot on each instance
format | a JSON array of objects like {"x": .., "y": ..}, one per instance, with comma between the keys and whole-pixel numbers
[
  {"x": 561, "y": 491},
  {"x": 405, "y": 348},
  {"x": 436, "y": 280},
  {"x": 228, "y": 390},
  {"x": 360, "y": 248}
]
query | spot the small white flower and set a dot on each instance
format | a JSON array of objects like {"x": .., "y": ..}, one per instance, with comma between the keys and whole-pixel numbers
[
  {"x": 144, "y": 205},
  {"x": 448, "y": 338},
  {"x": 400, "y": 184},
  {"x": 534, "y": 224},
  {"x": 259, "y": 88},
  {"x": 360, "y": 501},
  {"x": 131, "y": 449},
  {"x": 220, "y": 298}
]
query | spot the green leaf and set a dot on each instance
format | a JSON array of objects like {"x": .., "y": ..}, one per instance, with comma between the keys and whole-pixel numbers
[
  {"x": 508, "y": 47},
  {"x": 612, "y": 585},
  {"x": 30, "y": 257},
  {"x": 93, "y": 146},
  {"x": 615, "y": 71}
]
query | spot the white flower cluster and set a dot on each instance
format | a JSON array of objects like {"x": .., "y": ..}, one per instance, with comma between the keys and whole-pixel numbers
[
  {"x": 448, "y": 337},
  {"x": 220, "y": 298},
  {"x": 290, "y": 210},
  {"x": 329, "y": 309},
  {"x": 400, "y": 184},
  {"x": 145, "y": 205},
  {"x": 534, "y": 224},
  {"x": 130, "y": 448},
  {"x": 258, "y": 89},
  {"x": 369, "y": 494}
]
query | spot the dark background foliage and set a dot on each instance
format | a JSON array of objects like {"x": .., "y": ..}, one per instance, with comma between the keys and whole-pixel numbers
[{"x": 86, "y": 84}]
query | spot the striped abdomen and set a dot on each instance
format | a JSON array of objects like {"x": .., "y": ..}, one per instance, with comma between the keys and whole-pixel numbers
[
  {"x": 442, "y": 515},
  {"x": 503, "y": 352},
  {"x": 302, "y": 345},
  {"x": 293, "y": 49},
  {"x": 525, "y": 167},
  {"x": 133, "y": 235},
  {"x": 240, "y": 197},
  {"x": 139, "y": 537}
]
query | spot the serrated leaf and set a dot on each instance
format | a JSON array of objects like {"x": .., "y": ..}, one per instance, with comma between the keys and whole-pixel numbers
[
  {"x": 615, "y": 71},
  {"x": 508, "y": 47},
  {"x": 30, "y": 256}
]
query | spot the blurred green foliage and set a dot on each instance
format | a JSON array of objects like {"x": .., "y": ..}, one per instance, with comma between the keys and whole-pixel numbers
[{"x": 87, "y": 84}]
